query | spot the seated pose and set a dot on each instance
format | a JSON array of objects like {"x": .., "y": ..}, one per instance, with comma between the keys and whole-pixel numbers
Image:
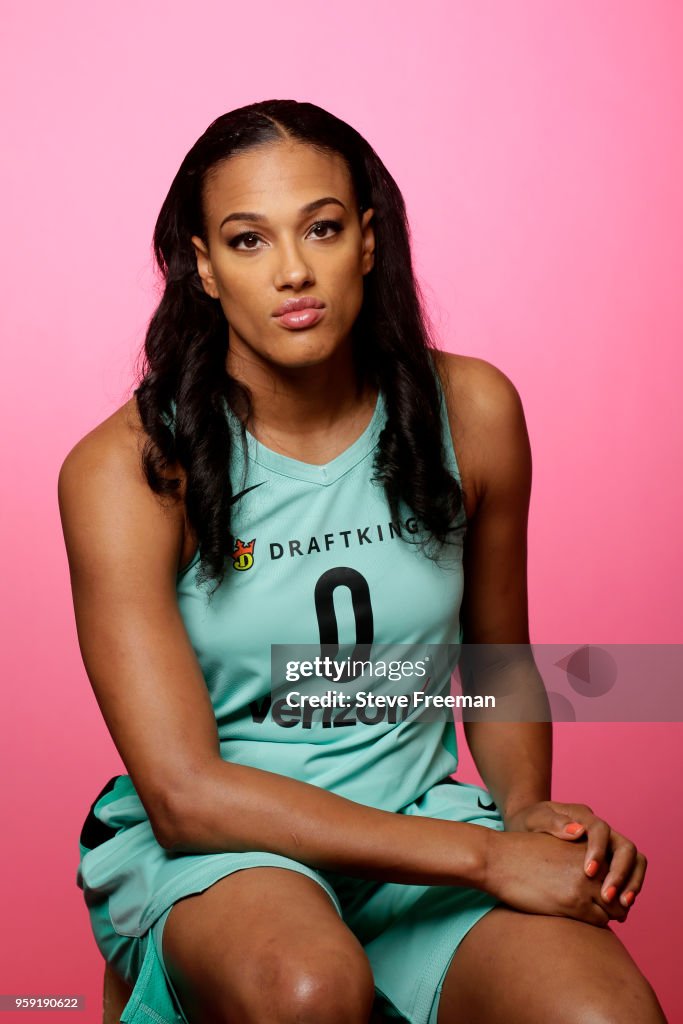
[{"x": 302, "y": 470}]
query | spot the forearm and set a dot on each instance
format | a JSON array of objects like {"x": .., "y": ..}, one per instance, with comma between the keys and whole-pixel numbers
[
  {"x": 512, "y": 746},
  {"x": 236, "y": 808},
  {"x": 514, "y": 760}
]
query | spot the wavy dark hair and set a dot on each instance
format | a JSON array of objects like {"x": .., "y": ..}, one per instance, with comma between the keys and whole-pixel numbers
[{"x": 183, "y": 381}]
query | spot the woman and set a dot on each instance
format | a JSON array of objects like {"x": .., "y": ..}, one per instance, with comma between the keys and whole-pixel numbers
[{"x": 286, "y": 474}]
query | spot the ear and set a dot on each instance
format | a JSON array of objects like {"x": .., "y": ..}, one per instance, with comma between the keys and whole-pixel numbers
[
  {"x": 204, "y": 268},
  {"x": 368, "y": 251}
]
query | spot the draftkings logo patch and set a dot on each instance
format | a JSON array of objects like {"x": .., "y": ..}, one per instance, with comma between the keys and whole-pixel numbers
[{"x": 243, "y": 554}]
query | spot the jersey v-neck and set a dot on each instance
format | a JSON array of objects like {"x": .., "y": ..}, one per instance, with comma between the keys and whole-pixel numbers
[{"x": 327, "y": 473}]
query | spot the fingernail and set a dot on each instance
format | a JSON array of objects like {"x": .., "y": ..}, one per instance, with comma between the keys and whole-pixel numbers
[
  {"x": 592, "y": 867},
  {"x": 610, "y": 893},
  {"x": 628, "y": 899},
  {"x": 573, "y": 828}
]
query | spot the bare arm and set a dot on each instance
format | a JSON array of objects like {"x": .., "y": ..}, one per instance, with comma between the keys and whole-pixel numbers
[
  {"x": 123, "y": 548},
  {"x": 513, "y": 758}
]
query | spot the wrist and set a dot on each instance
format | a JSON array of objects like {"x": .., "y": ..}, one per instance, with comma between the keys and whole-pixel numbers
[
  {"x": 491, "y": 846},
  {"x": 513, "y": 805}
]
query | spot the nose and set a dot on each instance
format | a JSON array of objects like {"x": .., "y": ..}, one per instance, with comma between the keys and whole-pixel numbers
[{"x": 293, "y": 270}]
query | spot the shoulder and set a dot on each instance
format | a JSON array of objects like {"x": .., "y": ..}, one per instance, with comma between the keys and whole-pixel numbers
[
  {"x": 487, "y": 421},
  {"x": 114, "y": 439},
  {"x": 102, "y": 487},
  {"x": 476, "y": 387},
  {"x": 109, "y": 452},
  {"x": 113, "y": 449}
]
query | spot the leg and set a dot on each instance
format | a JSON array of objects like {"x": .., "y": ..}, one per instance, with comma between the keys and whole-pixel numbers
[
  {"x": 266, "y": 944},
  {"x": 532, "y": 968},
  {"x": 116, "y": 993}
]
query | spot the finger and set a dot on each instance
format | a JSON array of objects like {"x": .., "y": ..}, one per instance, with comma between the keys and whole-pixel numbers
[
  {"x": 572, "y": 829},
  {"x": 598, "y": 832},
  {"x": 615, "y": 910},
  {"x": 634, "y": 883},
  {"x": 596, "y": 915},
  {"x": 622, "y": 863},
  {"x": 620, "y": 915},
  {"x": 561, "y": 825},
  {"x": 574, "y": 812}
]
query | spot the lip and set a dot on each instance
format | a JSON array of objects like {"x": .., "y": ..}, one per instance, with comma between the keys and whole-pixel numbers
[
  {"x": 297, "y": 320},
  {"x": 294, "y": 305}
]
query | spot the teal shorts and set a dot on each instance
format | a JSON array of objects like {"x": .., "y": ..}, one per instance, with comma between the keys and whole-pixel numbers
[{"x": 409, "y": 932}]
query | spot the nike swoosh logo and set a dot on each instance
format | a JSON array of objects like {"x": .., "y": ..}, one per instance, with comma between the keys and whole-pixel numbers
[
  {"x": 485, "y": 807},
  {"x": 232, "y": 501},
  {"x": 246, "y": 490}
]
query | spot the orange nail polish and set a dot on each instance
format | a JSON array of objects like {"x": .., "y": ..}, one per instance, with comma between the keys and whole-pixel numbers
[
  {"x": 592, "y": 867},
  {"x": 610, "y": 893},
  {"x": 629, "y": 898},
  {"x": 573, "y": 828}
]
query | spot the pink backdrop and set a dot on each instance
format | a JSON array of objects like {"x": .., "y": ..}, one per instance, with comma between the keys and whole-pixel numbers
[{"x": 538, "y": 147}]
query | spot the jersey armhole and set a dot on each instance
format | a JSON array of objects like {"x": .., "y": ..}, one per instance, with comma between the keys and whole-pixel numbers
[{"x": 447, "y": 440}]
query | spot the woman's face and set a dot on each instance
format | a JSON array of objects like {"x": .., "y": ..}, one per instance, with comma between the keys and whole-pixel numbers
[{"x": 277, "y": 249}]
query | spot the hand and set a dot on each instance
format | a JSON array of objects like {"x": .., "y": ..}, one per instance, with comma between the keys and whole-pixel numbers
[
  {"x": 608, "y": 853},
  {"x": 535, "y": 874}
]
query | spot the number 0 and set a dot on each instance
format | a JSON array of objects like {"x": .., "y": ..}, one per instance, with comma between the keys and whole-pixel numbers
[{"x": 343, "y": 576}]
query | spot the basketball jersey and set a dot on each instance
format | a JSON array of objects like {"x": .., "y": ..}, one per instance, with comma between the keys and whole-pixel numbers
[
  {"x": 317, "y": 560},
  {"x": 318, "y": 565}
]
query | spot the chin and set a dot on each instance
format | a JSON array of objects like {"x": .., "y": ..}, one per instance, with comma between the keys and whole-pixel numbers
[
  {"x": 300, "y": 351},
  {"x": 292, "y": 350},
  {"x": 302, "y": 360}
]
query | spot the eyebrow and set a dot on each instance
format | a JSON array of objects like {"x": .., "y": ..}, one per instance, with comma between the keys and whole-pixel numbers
[{"x": 259, "y": 218}]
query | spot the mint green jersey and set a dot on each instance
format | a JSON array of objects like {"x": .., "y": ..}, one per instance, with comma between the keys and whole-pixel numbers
[{"x": 317, "y": 559}]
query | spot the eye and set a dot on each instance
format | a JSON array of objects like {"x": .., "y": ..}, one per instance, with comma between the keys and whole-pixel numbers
[
  {"x": 233, "y": 243},
  {"x": 327, "y": 224}
]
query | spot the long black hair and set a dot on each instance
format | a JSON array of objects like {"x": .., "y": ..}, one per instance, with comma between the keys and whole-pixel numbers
[{"x": 184, "y": 383}]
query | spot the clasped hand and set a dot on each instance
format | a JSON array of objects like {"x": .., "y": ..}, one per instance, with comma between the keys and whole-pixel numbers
[{"x": 609, "y": 854}]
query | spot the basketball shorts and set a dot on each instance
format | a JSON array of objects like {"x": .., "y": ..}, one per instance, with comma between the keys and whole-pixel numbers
[{"x": 409, "y": 932}]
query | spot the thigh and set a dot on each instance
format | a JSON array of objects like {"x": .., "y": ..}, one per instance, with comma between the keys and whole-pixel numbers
[
  {"x": 533, "y": 968},
  {"x": 265, "y": 943}
]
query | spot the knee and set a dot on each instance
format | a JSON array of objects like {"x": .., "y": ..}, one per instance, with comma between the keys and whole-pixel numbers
[
  {"x": 636, "y": 1004},
  {"x": 329, "y": 995},
  {"x": 335, "y": 988}
]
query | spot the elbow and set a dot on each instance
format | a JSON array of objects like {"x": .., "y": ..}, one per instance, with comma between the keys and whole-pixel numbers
[
  {"x": 172, "y": 822},
  {"x": 164, "y": 834},
  {"x": 186, "y": 812}
]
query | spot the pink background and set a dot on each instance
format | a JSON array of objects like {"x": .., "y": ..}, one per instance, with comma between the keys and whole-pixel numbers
[{"x": 538, "y": 147}]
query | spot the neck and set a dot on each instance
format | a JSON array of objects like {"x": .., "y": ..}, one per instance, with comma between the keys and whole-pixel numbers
[{"x": 301, "y": 400}]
